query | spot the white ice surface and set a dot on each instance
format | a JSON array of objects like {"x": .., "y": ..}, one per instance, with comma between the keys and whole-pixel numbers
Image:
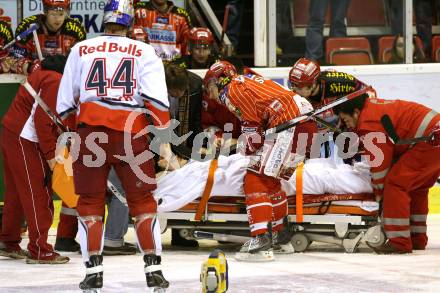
[{"x": 323, "y": 268}]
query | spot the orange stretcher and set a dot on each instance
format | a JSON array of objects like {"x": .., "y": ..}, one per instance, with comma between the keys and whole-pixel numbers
[
  {"x": 329, "y": 218},
  {"x": 340, "y": 219}
]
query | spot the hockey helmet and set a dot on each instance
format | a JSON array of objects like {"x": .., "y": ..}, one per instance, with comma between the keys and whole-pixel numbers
[
  {"x": 56, "y": 5},
  {"x": 221, "y": 72},
  {"x": 119, "y": 12},
  {"x": 200, "y": 36},
  {"x": 305, "y": 72}
]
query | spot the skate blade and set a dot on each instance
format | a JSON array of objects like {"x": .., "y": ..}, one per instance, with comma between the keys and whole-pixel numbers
[
  {"x": 260, "y": 256},
  {"x": 284, "y": 249},
  {"x": 157, "y": 290},
  {"x": 92, "y": 290}
]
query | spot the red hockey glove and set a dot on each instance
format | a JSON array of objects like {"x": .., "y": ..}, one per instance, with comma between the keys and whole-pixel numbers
[{"x": 36, "y": 65}]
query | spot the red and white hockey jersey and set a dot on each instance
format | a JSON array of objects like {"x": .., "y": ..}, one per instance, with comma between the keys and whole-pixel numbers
[{"x": 109, "y": 77}]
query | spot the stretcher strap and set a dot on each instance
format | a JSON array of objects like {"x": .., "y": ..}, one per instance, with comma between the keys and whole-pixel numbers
[
  {"x": 299, "y": 193},
  {"x": 207, "y": 191}
]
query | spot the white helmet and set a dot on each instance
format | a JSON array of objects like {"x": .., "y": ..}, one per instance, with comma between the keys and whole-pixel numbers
[{"x": 119, "y": 12}]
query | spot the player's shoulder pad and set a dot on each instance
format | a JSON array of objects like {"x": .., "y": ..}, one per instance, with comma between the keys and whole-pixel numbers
[
  {"x": 181, "y": 61},
  {"x": 26, "y": 23},
  {"x": 74, "y": 28},
  {"x": 331, "y": 74},
  {"x": 182, "y": 12},
  {"x": 6, "y": 32},
  {"x": 143, "y": 4}
]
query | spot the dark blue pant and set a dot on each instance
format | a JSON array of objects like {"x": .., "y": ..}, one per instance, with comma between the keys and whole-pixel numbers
[
  {"x": 423, "y": 11},
  {"x": 234, "y": 21},
  {"x": 117, "y": 220},
  {"x": 314, "y": 34}
]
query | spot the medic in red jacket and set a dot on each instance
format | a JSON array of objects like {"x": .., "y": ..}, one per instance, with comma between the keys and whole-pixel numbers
[
  {"x": 401, "y": 174},
  {"x": 28, "y": 148}
]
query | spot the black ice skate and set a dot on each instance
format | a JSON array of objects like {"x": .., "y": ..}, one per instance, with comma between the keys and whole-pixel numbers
[
  {"x": 93, "y": 281},
  {"x": 153, "y": 273},
  {"x": 281, "y": 239},
  {"x": 258, "y": 248}
]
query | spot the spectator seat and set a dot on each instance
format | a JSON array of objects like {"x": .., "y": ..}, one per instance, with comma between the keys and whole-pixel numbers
[{"x": 348, "y": 51}]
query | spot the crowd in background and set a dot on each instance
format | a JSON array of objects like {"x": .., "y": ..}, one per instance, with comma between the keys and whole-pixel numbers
[{"x": 179, "y": 39}]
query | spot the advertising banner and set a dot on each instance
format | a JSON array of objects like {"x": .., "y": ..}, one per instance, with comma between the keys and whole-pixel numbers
[{"x": 89, "y": 12}]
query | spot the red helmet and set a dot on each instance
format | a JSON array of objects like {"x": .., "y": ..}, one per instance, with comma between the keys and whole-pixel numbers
[
  {"x": 222, "y": 72},
  {"x": 305, "y": 72},
  {"x": 56, "y": 4},
  {"x": 200, "y": 36}
]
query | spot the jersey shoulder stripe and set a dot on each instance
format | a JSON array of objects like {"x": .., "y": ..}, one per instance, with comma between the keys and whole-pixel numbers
[
  {"x": 6, "y": 32},
  {"x": 143, "y": 4},
  {"x": 182, "y": 12},
  {"x": 25, "y": 24},
  {"x": 74, "y": 28}
]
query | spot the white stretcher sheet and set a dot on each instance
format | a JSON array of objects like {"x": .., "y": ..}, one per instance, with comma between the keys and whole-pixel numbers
[{"x": 320, "y": 176}]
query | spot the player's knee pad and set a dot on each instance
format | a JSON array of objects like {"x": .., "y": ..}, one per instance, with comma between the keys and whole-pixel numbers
[
  {"x": 141, "y": 203},
  {"x": 148, "y": 233},
  {"x": 91, "y": 232},
  {"x": 259, "y": 211}
]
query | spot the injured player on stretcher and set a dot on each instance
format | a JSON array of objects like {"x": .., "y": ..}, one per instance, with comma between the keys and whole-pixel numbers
[{"x": 180, "y": 187}]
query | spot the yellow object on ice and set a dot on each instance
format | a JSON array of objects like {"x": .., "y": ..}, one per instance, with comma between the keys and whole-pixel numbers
[
  {"x": 214, "y": 274},
  {"x": 62, "y": 180},
  {"x": 434, "y": 200}
]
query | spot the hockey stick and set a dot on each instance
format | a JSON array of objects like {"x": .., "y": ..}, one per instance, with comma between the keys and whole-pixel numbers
[
  {"x": 312, "y": 114},
  {"x": 53, "y": 116},
  {"x": 116, "y": 193},
  {"x": 391, "y": 132},
  {"x": 21, "y": 36},
  {"x": 225, "y": 23},
  {"x": 326, "y": 124},
  {"x": 185, "y": 152},
  {"x": 59, "y": 123},
  {"x": 37, "y": 45}
]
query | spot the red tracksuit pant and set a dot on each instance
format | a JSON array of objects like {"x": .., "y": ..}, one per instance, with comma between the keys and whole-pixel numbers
[
  {"x": 91, "y": 186},
  {"x": 26, "y": 195},
  {"x": 405, "y": 199}
]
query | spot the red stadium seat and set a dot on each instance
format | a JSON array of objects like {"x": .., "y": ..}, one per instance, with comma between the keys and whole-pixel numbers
[
  {"x": 435, "y": 49},
  {"x": 348, "y": 51},
  {"x": 386, "y": 45}
]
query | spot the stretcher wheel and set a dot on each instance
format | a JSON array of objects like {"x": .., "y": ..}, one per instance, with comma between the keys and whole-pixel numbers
[
  {"x": 300, "y": 242},
  {"x": 185, "y": 233}
]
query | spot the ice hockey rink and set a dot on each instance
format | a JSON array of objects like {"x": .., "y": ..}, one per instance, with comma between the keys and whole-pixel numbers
[{"x": 322, "y": 268}]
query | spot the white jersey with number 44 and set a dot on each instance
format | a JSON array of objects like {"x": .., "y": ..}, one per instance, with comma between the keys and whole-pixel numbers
[{"x": 107, "y": 78}]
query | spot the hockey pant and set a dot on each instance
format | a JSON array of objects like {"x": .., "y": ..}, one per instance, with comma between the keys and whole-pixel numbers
[{"x": 91, "y": 204}]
